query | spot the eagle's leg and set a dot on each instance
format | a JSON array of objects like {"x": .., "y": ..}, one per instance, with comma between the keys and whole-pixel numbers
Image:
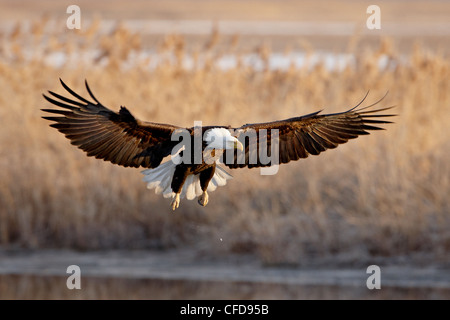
[
  {"x": 205, "y": 177},
  {"x": 179, "y": 177}
]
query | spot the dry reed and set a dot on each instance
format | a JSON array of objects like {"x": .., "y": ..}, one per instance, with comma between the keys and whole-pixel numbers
[{"x": 383, "y": 195}]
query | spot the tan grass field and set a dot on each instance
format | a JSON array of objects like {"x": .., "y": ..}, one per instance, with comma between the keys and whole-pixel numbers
[{"x": 383, "y": 195}]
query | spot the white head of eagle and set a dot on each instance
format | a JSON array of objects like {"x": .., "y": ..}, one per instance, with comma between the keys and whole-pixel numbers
[{"x": 221, "y": 138}]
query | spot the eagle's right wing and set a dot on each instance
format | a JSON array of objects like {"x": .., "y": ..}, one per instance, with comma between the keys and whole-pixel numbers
[
  {"x": 301, "y": 136},
  {"x": 108, "y": 135}
]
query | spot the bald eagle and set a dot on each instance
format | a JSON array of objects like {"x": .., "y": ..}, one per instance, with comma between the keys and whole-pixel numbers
[{"x": 122, "y": 139}]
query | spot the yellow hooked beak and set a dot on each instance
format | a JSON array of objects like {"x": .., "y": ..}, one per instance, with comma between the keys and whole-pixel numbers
[{"x": 238, "y": 145}]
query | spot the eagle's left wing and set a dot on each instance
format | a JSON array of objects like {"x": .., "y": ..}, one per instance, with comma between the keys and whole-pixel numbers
[
  {"x": 117, "y": 137},
  {"x": 301, "y": 136}
]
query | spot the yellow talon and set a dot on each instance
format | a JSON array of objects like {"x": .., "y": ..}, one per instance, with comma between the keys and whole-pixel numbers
[
  {"x": 176, "y": 201},
  {"x": 203, "y": 199}
]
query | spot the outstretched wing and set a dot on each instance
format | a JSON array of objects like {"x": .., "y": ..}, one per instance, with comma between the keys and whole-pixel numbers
[
  {"x": 301, "y": 136},
  {"x": 108, "y": 135}
]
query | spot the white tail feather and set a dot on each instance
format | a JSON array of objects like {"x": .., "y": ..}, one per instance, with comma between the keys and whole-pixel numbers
[
  {"x": 160, "y": 179},
  {"x": 219, "y": 179}
]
